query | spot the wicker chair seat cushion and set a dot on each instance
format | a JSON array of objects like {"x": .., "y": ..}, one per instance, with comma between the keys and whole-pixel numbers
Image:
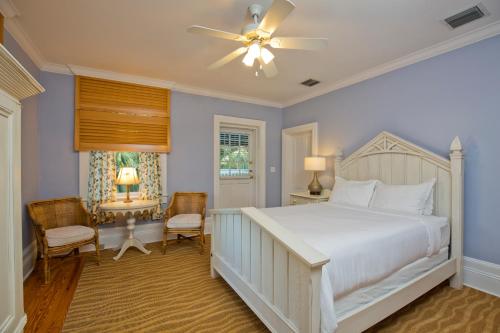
[
  {"x": 184, "y": 221},
  {"x": 67, "y": 235}
]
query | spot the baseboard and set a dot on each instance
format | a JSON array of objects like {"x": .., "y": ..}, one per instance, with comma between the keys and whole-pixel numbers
[
  {"x": 29, "y": 258},
  {"x": 20, "y": 325},
  {"x": 482, "y": 275}
]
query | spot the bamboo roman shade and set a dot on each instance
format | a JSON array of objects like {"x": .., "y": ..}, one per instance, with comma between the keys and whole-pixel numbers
[{"x": 118, "y": 116}]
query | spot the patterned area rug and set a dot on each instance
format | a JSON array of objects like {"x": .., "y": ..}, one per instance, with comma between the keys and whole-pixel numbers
[{"x": 174, "y": 293}]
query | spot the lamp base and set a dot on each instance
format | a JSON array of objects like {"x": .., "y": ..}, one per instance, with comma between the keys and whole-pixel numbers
[
  {"x": 127, "y": 199},
  {"x": 315, "y": 187}
]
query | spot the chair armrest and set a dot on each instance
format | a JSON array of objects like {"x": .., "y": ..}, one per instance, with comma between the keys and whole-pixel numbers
[
  {"x": 90, "y": 219},
  {"x": 39, "y": 228},
  {"x": 169, "y": 211}
]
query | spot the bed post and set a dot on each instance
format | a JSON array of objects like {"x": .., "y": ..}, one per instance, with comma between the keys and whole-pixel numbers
[
  {"x": 338, "y": 161},
  {"x": 457, "y": 211}
]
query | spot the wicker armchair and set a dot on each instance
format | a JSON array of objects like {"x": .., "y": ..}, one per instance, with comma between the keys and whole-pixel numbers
[
  {"x": 185, "y": 215},
  {"x": 60, "y": 226}
]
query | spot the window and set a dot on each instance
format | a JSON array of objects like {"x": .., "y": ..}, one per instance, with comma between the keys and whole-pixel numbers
[
  {"x": 126, "y": 159},
  {"x": 234, "y": 155},
  {"x": 84, "y": 177}
]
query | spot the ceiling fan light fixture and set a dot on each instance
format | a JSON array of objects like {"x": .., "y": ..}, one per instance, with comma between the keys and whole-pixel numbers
[
  {"x": 266, "y": 55},
  {"x": 248, "y": 59},
  {"x": 254, "y": 50}
]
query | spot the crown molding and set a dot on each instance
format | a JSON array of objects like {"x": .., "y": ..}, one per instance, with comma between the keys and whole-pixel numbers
[
  {"x": 56, "y": 68},
  {"x": 457, "y": 42},
  {"x": 8, "y": 9},
  {"x": 13, "y": 26},
  {"x": 115, "y": 76},
  {"x": 227, "y": 96}
]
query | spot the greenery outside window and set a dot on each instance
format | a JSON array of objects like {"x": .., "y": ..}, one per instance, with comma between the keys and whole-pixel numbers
[
  {"x": 127, "y": 159},
  {"x": 234, "y": 155}
]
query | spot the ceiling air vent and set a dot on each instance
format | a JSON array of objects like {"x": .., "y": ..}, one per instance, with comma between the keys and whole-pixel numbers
[
  {"x": 310, "y": 82},
  {"x": 465, "y": 17}
]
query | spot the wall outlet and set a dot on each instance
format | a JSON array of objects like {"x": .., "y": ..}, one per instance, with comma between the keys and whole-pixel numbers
[{"x": 272, "y": 169}]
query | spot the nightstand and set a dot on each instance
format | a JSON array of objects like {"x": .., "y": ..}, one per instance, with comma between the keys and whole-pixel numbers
[{"x": 302, "y": 198}]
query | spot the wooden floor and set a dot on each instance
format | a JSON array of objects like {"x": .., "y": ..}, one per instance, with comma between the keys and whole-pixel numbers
[{"x": 46, "y": 305}]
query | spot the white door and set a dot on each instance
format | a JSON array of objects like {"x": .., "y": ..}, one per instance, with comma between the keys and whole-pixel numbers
[
  {"x": 237, "y": 172},
  {"x": 297, "y": 143}
]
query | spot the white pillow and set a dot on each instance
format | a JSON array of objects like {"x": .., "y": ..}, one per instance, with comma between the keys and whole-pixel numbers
[
  {"x": 405, "y": 198},
  {"x": 429, "y": 204},
  {"x": 357, "y": 193}
]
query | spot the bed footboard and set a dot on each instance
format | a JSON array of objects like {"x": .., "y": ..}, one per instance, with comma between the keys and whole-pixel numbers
[{"x": 276, "y": 273}]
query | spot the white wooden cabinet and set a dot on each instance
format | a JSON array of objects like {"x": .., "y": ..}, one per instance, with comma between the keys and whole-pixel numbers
[
  {"x": 303, "y": 198},
  {"x": 15, "y": 84}
]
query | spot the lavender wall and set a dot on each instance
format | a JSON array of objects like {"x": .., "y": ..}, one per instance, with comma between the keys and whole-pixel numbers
[
  {"x": 58, "y": 160},
  {"x": 29, "y": 141},
  {"x": 190, "y": 162},
  {"x": 428, "y": 103}
]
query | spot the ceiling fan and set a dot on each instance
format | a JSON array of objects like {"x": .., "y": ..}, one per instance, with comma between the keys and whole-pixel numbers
[{"x": 258, "y": 34}]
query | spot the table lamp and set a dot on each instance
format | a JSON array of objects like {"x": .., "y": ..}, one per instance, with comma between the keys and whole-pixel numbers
[
  {"x": 315, "y": 164},
  {"x": 127, "y": 176}
]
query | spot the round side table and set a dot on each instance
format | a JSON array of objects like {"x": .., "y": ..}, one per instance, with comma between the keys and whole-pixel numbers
[{"x": 137, "y": 208}]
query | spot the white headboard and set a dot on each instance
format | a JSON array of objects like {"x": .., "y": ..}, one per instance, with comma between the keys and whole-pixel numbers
[{"x": 396, "y": 161}]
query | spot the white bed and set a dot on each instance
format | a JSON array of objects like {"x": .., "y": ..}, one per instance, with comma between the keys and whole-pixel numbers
[
  {"x": 301, "y": 273},
  {"x": 360, "y": 243}
]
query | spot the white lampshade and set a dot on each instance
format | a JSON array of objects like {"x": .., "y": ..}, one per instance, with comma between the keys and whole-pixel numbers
[
  {"x": 314, "y": 163},
  {"x": 127, "y": 176}
]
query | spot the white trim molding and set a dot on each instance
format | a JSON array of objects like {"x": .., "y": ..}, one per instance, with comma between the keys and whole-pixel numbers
[
  {"x": 482, "y": 275},
  {"x": 260, "y": 127},
  {"x": 110, "y": 75},
  {"x": 29, "y": 259},
  {"x": 286, "y": 133}
]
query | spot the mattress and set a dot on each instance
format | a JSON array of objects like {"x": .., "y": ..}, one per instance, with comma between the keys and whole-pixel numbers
[{"x": 364, "y": 245}]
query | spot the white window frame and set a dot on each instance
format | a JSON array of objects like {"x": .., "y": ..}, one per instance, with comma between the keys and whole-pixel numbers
[
  {"x": 236, "y": 131},
  {"x": 84, "y": 178}
]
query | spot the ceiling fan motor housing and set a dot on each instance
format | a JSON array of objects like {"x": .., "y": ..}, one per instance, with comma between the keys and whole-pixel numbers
[
  {"x": 250, "y": 30},
  {"x": 255, "y": 10}
]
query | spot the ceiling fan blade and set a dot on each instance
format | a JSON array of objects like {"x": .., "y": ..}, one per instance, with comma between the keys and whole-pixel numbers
[
  {"x": 269, "y": 69},
  {"x": 299, "y": 43},
  {"x": 278, "y": 11},
  {"x": 230, "y": 57},
  {"x": 198, "y": 29}
]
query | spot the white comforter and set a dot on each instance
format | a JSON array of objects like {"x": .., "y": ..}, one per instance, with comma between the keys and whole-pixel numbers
[{"x": 364, "y": 245}]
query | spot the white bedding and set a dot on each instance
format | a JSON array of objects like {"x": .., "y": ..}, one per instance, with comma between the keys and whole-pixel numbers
[{"x": 365, "y": 245}]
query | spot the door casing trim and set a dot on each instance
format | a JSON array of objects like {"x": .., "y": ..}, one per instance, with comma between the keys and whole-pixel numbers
[{"x": 287, "y": 132}]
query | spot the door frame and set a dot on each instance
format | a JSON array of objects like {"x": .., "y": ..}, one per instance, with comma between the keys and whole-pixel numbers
[
  {"x": 10, "y": 111},
  {"x": 260, "y": 154},
  {"x": 287, "y": 133}
]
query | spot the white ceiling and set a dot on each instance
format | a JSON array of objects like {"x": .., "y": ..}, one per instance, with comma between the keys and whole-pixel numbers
[{"x": 148, "y": 38}]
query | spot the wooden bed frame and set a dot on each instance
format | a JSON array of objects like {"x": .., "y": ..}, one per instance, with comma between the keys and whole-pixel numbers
[{"x": 278, "y": 275}]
